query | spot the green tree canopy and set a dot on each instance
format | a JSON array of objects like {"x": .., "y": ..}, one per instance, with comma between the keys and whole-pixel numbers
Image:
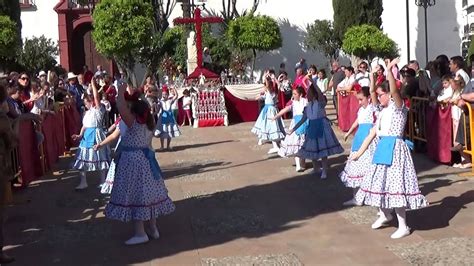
[
  {"x": 348, "y": 13},
  {"x": 321, "y": 37},
  {"x": 367, "y": 42},
  {"x": 470, "y": 53},
  {"x": 8, "y": 39},
  {"x": 255, "y": 33},
  {"x": 121, "y": 30},
  {"x": 39, "y": 53},
  {"x": 11, "y": 8}
]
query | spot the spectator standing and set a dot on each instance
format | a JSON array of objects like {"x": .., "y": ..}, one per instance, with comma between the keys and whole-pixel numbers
[
  {"x": 42, "y": 76},
  {"x": 8, "y": 141},
  {"x": 337, "y": 76},
  {"x": 322, "y": 81},
  {"x": 362, "y": 76},
  {"x": 348, "y": 82},
  {"x": 301, "y": 64},
  {"x": 76, "y": 91}
]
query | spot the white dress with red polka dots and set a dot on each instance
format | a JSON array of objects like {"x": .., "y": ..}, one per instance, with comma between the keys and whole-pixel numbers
[
  {"x": 354, "y": 171},
  {"x": 293, "y": 142},
  {"x": 394, "y": 186}
]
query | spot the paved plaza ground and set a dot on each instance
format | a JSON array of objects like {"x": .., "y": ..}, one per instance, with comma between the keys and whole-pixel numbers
[{"x": 237, "y": 205}]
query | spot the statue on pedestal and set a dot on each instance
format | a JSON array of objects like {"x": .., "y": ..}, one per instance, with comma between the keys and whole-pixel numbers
[{"x": 192, "y": 52}]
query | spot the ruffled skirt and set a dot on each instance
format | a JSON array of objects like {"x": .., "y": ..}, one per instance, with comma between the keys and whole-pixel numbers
[
  {"x": 320, "y": 141},
  {"x": 266, "y": 129},
  {"x": 394, "y": 186},
  {"x": 88, "y": 159},
  {"x": 137, "y": 194}
]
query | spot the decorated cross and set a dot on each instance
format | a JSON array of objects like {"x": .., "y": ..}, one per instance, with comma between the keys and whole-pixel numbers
[{"x": 198, "y": 21}]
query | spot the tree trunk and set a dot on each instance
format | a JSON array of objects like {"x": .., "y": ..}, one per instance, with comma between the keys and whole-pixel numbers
[
  {"x": 128, "y": 65},
  {"x": 253, "y": 63}
]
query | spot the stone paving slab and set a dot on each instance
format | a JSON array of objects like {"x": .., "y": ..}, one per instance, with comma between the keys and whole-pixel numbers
[
  {"x": 448, "y": 251},
  {"x": 264, "y": 260}
]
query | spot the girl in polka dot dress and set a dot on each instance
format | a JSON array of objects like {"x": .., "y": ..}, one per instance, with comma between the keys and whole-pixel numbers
[
  {"x": 292, "y": 143},
  {"x": 391, "y": 181},
  {"x": 139, "y": 193},
  {"x": 354, "y": 171},
  {"x": 92, "y": 132},
  {"x": 320, "y": 142},
  {"x": 120, "y": 129}
]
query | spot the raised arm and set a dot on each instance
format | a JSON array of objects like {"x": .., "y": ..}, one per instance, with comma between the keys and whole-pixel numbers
[
  {"x": 175, "y": 92},
  {"x": 373, "y": 94},
  {"x": 394, "y": 91},
  {"x": 95, "y": 93},
  {"x": 125, "y": 113}
]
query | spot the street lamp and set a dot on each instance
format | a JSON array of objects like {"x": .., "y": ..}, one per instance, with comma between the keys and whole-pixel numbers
[{"x": 425, "y": 4}]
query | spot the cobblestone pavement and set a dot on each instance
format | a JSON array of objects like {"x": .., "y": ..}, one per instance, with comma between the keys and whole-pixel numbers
[{"x": 235, "y": 205}]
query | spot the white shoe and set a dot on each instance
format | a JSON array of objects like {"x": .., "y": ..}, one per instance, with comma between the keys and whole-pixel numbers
[
  {"x": 154, "y": 234},
  {"x": 137, "y": 240},
  {"x": 300, "y": 169},
  {"x": 81, "y": 186},
  {"x": 324, "y": 175},
  {"x": 401, "y": 232},
  {"x": 351, "y": 202},
  {"x": 273, "y": 150},
  {"x": 381, "y": 221}
]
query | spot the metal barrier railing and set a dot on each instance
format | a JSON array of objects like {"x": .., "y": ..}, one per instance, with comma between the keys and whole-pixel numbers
[
  {"x": 15, "y": 159},
  {"x": 468, "y": 134},
  {"x": 417, "y": 118}
]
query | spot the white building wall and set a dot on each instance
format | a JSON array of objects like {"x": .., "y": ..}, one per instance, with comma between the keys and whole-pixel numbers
[
  {"x": 41, "y": 19},
  {"x": 445, "y": 26}
]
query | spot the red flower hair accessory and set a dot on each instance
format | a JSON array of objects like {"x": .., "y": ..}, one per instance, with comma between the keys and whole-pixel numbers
[{"x": 357, "y": 87}]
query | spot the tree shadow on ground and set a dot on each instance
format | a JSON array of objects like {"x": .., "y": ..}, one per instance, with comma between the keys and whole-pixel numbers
[{"x": 65, "y": 227}]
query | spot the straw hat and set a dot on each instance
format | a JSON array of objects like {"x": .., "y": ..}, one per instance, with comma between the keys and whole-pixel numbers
[
  {"x": 42, "y": 73},
  {"x": 71, "y": 75}
]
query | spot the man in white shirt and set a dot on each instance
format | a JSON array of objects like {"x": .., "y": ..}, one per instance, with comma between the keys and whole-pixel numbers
[
  {"x": 362, "y": 76},
  {"x": 456, "y": 65}
]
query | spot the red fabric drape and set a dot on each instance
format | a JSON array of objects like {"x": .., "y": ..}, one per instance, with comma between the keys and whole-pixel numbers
[
  {"x": 439, "y": 133},
  {"x": 51, "y": 150},
  {"x": 347, "y": 111},
  {"x": 29, "y": 153},
  {"x": 211, "y": 122},
  {"x": 59, "y": 137},
  {"x": 240, "y": 110},
  {"x": 72, "y": 121}
]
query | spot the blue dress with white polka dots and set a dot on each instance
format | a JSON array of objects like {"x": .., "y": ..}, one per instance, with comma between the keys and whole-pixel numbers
[{"x": 137, "y": 194}]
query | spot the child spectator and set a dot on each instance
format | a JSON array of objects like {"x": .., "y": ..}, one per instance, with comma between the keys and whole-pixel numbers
[
  {"x": 187, "y": 107},
  {"x": 446, "y": 94}
]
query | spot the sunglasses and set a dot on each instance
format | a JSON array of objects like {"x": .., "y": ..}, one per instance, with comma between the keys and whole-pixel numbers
[{"x": 24, "y": 78}]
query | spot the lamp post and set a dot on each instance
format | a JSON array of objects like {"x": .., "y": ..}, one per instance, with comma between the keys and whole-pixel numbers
[{"x": 425, "y": 4}]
